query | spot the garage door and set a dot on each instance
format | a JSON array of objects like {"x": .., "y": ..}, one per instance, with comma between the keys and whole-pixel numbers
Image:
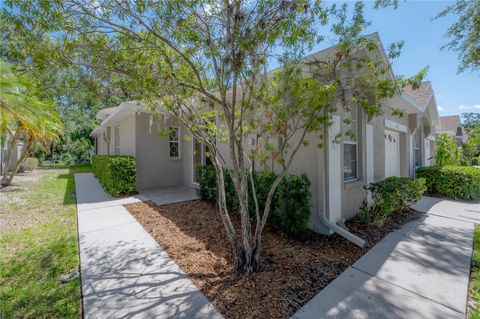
[{"x": 392, "y": 154}]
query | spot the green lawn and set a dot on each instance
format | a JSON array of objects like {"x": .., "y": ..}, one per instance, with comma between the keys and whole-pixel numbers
[
  {"x": 475, "y": 275},
  {"x": 38, "y": 244}
]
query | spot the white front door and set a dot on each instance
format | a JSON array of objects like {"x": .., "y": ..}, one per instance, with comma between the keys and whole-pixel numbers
[{"x": 392, "y": 153}]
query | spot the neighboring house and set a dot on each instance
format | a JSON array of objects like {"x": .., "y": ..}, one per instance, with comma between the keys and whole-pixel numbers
[
  {"x": 384, "y": 146},
  {"x": 453, "y": 127}
]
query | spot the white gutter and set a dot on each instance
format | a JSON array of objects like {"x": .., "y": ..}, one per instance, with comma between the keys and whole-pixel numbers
[{"x": 345, "y": 233}]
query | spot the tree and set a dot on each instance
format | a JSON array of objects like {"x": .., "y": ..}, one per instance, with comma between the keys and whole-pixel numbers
[
  {"x": 471, "y": 149},
  {"x": 471, "y": 120},
  {"x": 23, "y": 117},
  {"x": 464, "y": 34},
  {"x": 204, "y": 62},
  {"x": 78, "y": 94},
  {"x": 447, "y": 152}
]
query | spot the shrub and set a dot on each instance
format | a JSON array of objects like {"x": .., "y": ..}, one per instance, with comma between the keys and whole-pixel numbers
[
  {"x": 117, "y": 174},
  {"x": 290, "y": 210},
  {"x": 391, "y": 195},
  {"x": 457, "y": 182},
  {"x": 446, "y": 150},
  {"x": 30, "y": 164}
]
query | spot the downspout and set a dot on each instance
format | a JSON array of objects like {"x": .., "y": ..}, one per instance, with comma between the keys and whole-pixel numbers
[{"x": 332, "y": 226}]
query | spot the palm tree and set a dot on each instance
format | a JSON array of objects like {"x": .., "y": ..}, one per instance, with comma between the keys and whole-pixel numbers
[{"x": 23, "y": 116}]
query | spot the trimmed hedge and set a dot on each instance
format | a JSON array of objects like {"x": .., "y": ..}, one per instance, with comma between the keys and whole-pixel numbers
[
  {"x": 457, "y": 182},
  {"x": 116, "y": 173},
  {"x": 391, "y": 195},
  {"x": 290, "y": 209}
]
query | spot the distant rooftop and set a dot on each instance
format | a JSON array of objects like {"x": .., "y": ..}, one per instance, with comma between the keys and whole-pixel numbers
[{"x": 450, "y": 123}]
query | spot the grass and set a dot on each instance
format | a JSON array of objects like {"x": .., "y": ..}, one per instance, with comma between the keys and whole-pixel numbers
[
  {"x": 39, "y": 245},
  {"x": 475, "y": 276}
]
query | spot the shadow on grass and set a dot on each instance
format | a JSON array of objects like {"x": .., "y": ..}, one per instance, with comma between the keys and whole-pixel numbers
[
  {"x": 30, "y": 284},
  {"x": 69, "y": 197}
]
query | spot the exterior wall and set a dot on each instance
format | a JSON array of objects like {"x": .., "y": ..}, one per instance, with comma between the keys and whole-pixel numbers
[
  {"x": 312, "y": 161},
  {"x": 102, "y": 143},
  {"x": 309, "y": 160},
  {"x": 352, "y": 191},
  {"x": 127, "y": 136},
  {"x": 155, "y": 168}
]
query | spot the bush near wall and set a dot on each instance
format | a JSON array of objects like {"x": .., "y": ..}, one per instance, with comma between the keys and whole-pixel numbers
[
  {"x": 391, "y": 195},
  {"x": 457, "y": 182},
  {"x": 30, "y": 164},
  {"x": 117, "y": 174},
  {"x": 290, "y": 210}
]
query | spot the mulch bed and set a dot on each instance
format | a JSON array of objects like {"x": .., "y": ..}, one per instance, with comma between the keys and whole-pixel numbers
[{"x": 293, "y": 271}]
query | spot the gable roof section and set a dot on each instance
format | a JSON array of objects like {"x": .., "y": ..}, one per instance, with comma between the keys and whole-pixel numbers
[
  {"x": 450, "y": 124},
  {"x": 420, "y": 96}
]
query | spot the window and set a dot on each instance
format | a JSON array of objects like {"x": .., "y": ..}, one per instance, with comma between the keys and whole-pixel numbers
[
  {"x": 350, "y": 146},
  {"x": 117, "y": 140},
  {"x": 174, "y": 142},
  {"x": 416, "y": 148}
]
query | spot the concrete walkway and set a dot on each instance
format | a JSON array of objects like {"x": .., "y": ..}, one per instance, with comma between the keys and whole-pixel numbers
[
  {"x": 419, "y": 271},
  {"x": 170, "y": 195},
  {"x": 124, "y": 272}
]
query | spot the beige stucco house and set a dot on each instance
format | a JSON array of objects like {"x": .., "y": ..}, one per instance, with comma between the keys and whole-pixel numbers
[{"x": 384, "y": 146}]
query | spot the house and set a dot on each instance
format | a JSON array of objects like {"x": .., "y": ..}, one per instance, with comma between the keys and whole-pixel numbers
[
  {"x": 384, "y": 146},
  {"x": 453, "y": 127}
]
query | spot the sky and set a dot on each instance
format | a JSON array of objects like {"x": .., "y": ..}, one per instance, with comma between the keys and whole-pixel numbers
[{"x": 411, "y": 22}]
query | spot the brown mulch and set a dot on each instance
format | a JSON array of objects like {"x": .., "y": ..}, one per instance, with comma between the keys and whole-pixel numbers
[
  {"x": 373, "y": 233},
  {"x": 293, "y": 271}
]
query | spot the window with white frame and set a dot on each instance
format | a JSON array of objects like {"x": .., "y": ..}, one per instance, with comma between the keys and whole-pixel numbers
[
  {"x": 174, "y": 142},
  {"x": 117, "y": 140},
  {"x": 350, "y": 145}
]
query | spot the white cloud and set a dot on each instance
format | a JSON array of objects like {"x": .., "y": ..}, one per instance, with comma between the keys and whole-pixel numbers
[
  {"x": 440, "y": 108},
  {"x": 469, "y": 107}
]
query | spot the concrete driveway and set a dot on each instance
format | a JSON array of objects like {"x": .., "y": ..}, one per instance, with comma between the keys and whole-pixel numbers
[{"x": 419, "y": 271}]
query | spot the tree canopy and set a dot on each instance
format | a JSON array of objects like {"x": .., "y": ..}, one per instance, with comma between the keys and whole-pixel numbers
[
  {"x": 23, "y": 117},
  {"x": 205, "y": 63}
]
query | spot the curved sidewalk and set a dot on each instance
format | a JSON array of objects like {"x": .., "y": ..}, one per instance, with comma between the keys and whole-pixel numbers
[
  {"x": 124, "y": 272},
  {"x": 419, "y": 271}
]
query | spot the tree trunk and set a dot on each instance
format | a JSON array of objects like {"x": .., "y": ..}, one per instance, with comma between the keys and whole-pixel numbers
[
  {"x": 25, "y": 150},
  {"x": 222, "y": 207},
  {"x": 12, "y": 146}
]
